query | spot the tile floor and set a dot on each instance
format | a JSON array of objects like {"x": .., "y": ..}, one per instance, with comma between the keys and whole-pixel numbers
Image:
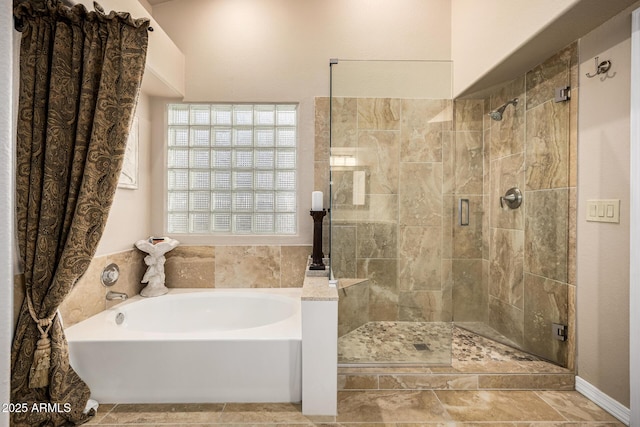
[
  {"x": 421, "y": 406},
  {"x": 418, "y": 408}
]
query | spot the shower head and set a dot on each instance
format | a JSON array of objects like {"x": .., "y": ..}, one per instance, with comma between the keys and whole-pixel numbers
[{"x": 497, "y": 113}]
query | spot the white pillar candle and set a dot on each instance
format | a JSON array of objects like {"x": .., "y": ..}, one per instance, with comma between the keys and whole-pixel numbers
[{"x": 316, "y": 201}]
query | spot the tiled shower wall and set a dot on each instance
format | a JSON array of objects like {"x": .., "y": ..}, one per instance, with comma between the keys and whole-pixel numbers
[
  {"x": 396, "y": 236},
  {"x": 531, "y": 250},
  {"x": 186, "y": 267},
  {"x": 511, "y": 269}
]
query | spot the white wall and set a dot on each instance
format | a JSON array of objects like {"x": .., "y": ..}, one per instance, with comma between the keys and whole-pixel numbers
[
  {"x": 603, "y": 249},
  {"x": 6, "y": 203},
  {"x": 486, "y": 32},
  {"x": 279, "y": 51}
]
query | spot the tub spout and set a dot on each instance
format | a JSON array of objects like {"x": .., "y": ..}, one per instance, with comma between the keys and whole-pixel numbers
[{"x": 111, "y": 295}]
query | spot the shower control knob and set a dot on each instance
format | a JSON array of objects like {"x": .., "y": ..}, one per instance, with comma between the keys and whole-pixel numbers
[{"x": 512, "y": 198}]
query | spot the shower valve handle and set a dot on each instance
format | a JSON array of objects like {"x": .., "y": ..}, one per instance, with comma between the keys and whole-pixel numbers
[{"x": 512, "y": 198}]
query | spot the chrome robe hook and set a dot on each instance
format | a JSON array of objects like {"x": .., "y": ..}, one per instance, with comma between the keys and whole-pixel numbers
[{"x": 601, "y": 68}]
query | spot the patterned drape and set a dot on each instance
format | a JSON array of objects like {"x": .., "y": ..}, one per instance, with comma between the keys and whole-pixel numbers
[{"x": 80, "y": 73}]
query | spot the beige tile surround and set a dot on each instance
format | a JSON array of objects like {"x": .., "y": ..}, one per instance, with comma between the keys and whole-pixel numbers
[{"x": 189, "y": 267}]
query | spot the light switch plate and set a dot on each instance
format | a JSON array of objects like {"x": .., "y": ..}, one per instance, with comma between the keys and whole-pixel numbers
[{"x": 603, "y": 210}]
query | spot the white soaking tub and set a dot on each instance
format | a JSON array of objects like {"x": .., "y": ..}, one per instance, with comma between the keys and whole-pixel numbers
[{"x": 193, "y": 346}]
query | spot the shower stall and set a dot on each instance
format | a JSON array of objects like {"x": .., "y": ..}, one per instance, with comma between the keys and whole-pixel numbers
[{"x": 422, "y": 236}]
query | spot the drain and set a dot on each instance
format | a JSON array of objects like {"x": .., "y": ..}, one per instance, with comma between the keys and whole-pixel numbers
[
  {"x": 421, "y": 346},
  {"x": 119, "y": 318}
]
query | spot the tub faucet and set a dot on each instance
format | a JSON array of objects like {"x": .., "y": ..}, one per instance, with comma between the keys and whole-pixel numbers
[{"x": 112, "y": 295}]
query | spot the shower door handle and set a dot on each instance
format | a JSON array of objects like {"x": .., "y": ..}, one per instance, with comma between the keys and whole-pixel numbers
[{"x": 463, "y": 212}]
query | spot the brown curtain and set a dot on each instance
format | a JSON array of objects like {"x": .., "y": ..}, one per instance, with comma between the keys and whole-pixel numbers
[{"x": 80, "y": 73}]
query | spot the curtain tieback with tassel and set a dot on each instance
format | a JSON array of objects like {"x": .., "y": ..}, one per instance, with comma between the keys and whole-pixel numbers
[{"x": 39, "y": 372}]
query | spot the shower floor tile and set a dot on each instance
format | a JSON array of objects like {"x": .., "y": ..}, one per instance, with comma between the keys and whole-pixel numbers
[
  {"x": 435, "y": 344},
  {"x": 397, "y": 342}
]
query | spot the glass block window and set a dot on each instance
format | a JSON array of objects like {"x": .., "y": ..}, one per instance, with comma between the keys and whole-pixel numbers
[{"x": 231, "y": 168}]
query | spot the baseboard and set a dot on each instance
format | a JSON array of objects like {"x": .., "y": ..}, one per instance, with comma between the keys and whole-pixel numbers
[{"x": 601, "y": 399}]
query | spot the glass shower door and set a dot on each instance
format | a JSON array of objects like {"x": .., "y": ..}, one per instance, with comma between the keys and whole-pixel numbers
[{"x": 391, "y": 126}]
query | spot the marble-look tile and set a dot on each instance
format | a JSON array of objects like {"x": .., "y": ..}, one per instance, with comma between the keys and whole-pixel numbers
[
  {"x": 470, "y": 294},
  {"x": 486, "y": 120},
  {"x": 424, "y": 306},
  {"x": 343, "y": 255},
  {"x": 132, "y": 269},
  {"x": 546, "y": 230},
  {"x": 344, "y": 122},
  {"x": 353, "y": 307},
  {"x": 547, "y": 146},
  {"x": 262, "y": 413},
  {"x": 448, "y": 163},
  {"x": 293, "y": 261},
  {"x": 389, "y": 406},
  {"x": 497, "y": 405},
  {"x": 447, "y": 281},
  {"x": 507, "y": 172},
  {"x": 419, "y": 258},
  {"x": 379, "y": 113},
  {"x": 377, "y": 240},
  {"x": 527, "y": 382},
  {"x": 487, "y": 209},
  {"x": 421, "y": 129},
  {"x": 378, "y": 208},
  {"x": 572, "y": 237},
  {"x": 571, "y": 325},
  {"x": 378, "y": 154},
  {"x": 450, "y": 204},
  {"x": 247, "y": 267},
  {"x": 575, "y": 407},
  {"x": 506, "y": 319},
  {"x": 421, "y": 194},
  {"x": 546, "y": 77},
  {"x": 545, "y": 303},
  {"x": 163, "y": 413},
  {"x": 468, "y": 114},
  {"x": 322, "y": 129},
  {"x": 321, "y": 178},
  {"x": 468, "y": 162},
  {"x": 467, "y": 239},
  {"x": 383, "y": 287},
  {"x": 508, "y": 135},
  {"x": 87, "y": 297},
  {"x": 190, "y": 267},
  {"x": 429, "y": 382},
  {"x": 342, "y": 190},
  {"x": 506, "y": 266},
  {"x": 357, "y": 382}
]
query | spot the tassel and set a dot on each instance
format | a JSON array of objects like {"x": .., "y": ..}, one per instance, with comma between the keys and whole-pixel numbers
[{"x": 39, "y": 373}]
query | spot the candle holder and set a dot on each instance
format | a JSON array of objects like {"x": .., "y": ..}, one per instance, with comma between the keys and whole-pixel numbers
[{"x": 317, "y": 255}]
